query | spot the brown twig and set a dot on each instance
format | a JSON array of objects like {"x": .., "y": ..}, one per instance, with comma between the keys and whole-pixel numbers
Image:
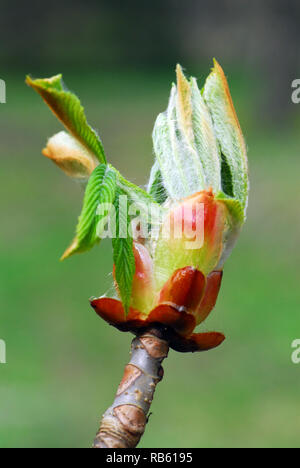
[{"x": 124, "y": 422}]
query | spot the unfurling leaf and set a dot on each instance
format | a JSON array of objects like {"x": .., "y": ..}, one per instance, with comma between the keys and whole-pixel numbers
[
  {"x": 141, "y": 199},
  {"x": 228, "y": 131},
  {"x": 123, "y": 255},
  {"x": 156, "y": 186},
  {"x": 235, "y": 221},
  {"x": 180, "y": 166},
  {"x": 70, "y": 156},
  {"x": 101, "y": 189},
  {"x": 196, "y": 123},
  {"x": 67, "y": 108},
  {"x": 184, "y": 142}
]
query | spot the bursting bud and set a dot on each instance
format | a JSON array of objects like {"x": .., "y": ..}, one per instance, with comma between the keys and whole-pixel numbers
[
  {"x": 200, "y": 177},
  {"x": 199, "y": 181}
]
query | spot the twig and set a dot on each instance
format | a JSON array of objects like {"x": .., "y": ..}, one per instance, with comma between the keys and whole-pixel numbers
[{"x": 123, "y": 423}]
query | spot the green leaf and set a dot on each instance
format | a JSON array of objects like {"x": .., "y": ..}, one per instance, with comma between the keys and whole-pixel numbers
[
  {"x": 134, "y": 192},
  {"x": 156, "y": 186},
  {"x": 100, "y": 189},
  {"x": 123, "y": 254},
  {"x": 141, "y": 198},
  {"x": 228, "y": 131},
  {"x": 67, "y": 108}
]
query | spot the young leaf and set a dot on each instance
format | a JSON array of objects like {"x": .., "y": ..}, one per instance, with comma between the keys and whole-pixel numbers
[
  {"x": 235, "y": 223},
  {"x": 226, "y": 177},
  {"x": 143, "y": 200},
  {"x": 156, "y": 186},
  {"x": 179, "y": 163},
  {"x": 71, "y": 156},
  {"x": 205, "y": 140},
  {"x": 100, "y": 189},
  {"x": 196, "y": 123},
  {"x": 67, "y": 108},
  {"x": 123, "y": 255},
  {"x": 185, "y": 144},
  {"x": 228, "y": 131},
  {"x": 234, "y": 207}
]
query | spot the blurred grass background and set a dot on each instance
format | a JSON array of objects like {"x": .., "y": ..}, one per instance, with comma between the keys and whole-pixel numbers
[{"x": 63, "y": 362}]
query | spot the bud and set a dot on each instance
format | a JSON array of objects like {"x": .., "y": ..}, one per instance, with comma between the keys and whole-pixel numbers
[
  {"x": 200, "y": 176},
  {"x": 70, "y": 156}
]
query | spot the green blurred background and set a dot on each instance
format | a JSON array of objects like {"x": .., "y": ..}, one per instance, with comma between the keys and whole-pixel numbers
[{"x": 63, "y": 362}]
